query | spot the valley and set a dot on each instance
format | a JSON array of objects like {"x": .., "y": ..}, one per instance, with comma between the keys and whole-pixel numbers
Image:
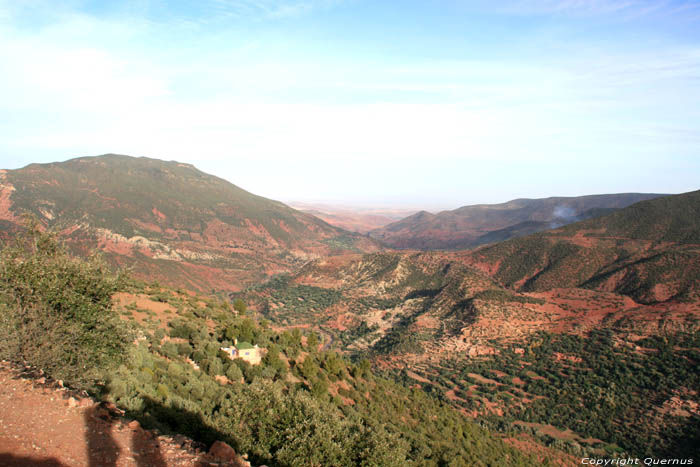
[
  {"x": 355, "y": 219},
  {"x": 345, "y": 233},
  {"x": 602, "y": 313},
  {"x": 578, "y": 341}
]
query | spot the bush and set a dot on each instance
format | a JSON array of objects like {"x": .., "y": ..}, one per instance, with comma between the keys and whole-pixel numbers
[
  {"x": 56, "y": 310},
  {"x": 240, "y": 306},
  {"x": 234, "y": 373}
]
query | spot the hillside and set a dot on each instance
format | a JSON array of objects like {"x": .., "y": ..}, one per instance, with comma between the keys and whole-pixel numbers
[
  {"x": 649, "y": 251},
  {"x": 471, "y": 226},
  {"x": 163, "y": 357},
  {"x": 434, "y": 321},
  {"x": 537, "y": 333},
  {"x": 46, "y": 424},
  {"x": 168, "y": 220}
]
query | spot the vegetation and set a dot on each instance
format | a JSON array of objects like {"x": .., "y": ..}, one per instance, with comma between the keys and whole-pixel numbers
[
  {"x": 463, "y": 228},
  {"x": 152, "y": 208},
  {"x": 608, "y": 394},
  {"x": 55, "y": 310},
  {"x": 186, "y": 197},
  {"x": 667, "y": 219},
  {"x": 501, "y": 296},
  {"x": 592, "y": 385},
  {"x": 286, "y": 302},
  {"x": 633, "y": 250},
  {"x": 411, "y": 286},
  {"x": 300, "y": 406},
  {"x": 307, "y": 404}
]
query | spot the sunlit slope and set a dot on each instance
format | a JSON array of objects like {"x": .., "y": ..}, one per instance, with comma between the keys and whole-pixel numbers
[
  {"x": 648, "y": 251},
  {"x": 584, "y": 337},
  {"x": 170, "y": 220},
  {"x": 471, "y": 226}
]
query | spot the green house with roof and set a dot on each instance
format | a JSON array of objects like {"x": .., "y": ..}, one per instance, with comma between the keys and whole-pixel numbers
[{"x": 245, "y": 351}]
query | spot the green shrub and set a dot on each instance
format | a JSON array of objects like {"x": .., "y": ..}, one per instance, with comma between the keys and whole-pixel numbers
[
  {"x": 234, "y": 373},
  {"x": 56, "y": 310}
]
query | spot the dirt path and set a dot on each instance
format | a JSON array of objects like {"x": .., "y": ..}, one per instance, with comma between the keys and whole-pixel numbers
[{"x": 41, "y": 425}]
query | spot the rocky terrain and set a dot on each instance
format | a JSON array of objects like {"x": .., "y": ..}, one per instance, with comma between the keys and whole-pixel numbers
[
  {"x": 581, "y": 340},
  {"x": 156, "y": 354}
]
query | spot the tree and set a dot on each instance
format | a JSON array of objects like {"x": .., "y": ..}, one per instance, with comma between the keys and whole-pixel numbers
[
  {"x": 273, "y": 361},
  {"x": 319, "y": 388},
  {"x": 234, "y": 373},
  {"x": 309, "y": 368},
  {"x": 312, "y": 341},
  {"x": 240, "y": 306}
]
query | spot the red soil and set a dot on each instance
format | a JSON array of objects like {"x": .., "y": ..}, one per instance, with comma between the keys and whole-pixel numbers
[
  {"x": 5, "y": 192},
  {"x": 39, "y": 427},
  {"x": 417, "y": 377},
  {"x": 526, "y": 443},
  {"x": 163, "y": 311},
  {"x": 158, "y": 214},
  {"x": 146, "y": 225}
]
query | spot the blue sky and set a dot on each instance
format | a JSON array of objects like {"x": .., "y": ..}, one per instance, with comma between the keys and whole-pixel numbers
[{"x": 424, "y": 104}]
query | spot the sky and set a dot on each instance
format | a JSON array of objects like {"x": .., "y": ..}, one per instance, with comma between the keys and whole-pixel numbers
[{"x": 424, "y": 104}]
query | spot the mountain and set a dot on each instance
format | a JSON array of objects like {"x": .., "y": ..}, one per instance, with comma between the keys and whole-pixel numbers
[
  {"x": 648, "y": 251},
  {"x": 585, "y": 336},
  {"x": 168, "y": 220},
  {"x": 471, "y": 226}
]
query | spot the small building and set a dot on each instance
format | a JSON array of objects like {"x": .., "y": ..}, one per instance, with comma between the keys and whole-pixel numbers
[
  {"x": 230, "y": 351},
  {"x": 245, "y": 351},
  {"x": 249, "y": 353}
]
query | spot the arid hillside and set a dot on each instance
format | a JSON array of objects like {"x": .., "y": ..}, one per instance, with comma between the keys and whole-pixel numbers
[
  {"x": 195, "y": 366},
  {"x": 46, "y": 424},
  {"x": 169, "y": 221},
  {"x": 471, "y": 226},
  {"x": 542, "y": 330},
  {"x": 649, "y": 251}
]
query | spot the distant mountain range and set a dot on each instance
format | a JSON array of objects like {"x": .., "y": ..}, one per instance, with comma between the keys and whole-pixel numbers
[
  {"x": 170, "y": 221},
  {"x": 354, "y": 219},
  {"x": 471, "y": 226}
]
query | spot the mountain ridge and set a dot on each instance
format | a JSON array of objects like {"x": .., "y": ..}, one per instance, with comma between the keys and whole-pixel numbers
[
  {"x": 169, "y": 219},
  {"x": 472, "y": 226},
  {"x": 648, "y": 251}
]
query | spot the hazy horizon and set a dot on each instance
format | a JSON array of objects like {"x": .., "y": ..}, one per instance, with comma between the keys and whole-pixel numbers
[
  {"x": 369, "y": 205},
  {"x": 366, "y": 104}
]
